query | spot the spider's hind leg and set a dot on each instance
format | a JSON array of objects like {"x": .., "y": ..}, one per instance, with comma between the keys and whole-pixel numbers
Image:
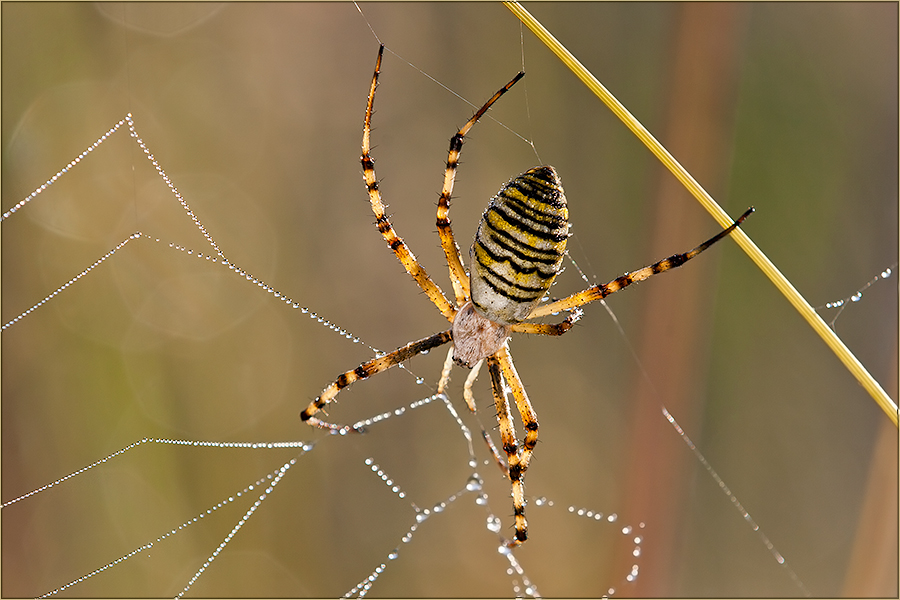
[{"x": 502, "y": 369}]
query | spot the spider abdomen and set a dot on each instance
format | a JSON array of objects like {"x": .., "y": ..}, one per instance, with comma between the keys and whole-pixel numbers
[{"x": 519, "y": 246}]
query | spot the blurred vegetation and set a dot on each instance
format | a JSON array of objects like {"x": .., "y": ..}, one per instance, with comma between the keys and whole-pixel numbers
[{"x": 255, "y": 113}]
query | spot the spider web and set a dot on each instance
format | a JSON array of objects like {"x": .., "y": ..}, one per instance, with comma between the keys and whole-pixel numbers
[
  {"x": 254, "y": 494},
  {"x": 161, "y": 343}
]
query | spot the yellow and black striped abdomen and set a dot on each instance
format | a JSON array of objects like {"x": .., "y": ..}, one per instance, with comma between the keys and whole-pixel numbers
[{"x": 519, "y": 246}]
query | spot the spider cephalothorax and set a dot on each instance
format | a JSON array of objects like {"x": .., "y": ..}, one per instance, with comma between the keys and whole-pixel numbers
[{"x": 517, "y": 252}]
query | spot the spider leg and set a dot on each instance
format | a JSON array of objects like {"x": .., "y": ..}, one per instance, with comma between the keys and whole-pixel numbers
[
  {"x": 549, "y": 328},
  {"x": 364, "y": 371},
  {"x": 523, "y": 404},
  {"x": 404, "y": 254},
  {"x": 507, "y": 440},
  {"x": 501, "y": 363},
  {"x": 470, "y": 381},
  {"x": 470, "y": 402},
  {"x": 600, "y": 291},
  {"x": 504, "y": 466},
  {"x": 445, "y": 372},
  {"x": 458, "y": 276}
]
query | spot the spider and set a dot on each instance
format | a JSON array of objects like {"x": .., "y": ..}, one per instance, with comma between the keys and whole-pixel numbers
[{"x": 517, "y": 252}]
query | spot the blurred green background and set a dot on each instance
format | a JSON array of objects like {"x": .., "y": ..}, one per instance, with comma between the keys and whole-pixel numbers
[{"x": 255, "y": 113}]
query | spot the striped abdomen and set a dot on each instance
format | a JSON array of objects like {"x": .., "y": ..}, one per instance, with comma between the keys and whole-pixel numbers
[{"x": 519, "y": 246}]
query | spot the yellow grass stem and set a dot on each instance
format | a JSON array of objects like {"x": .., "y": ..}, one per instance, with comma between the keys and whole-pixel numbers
[{"x": 784, "y": 286}]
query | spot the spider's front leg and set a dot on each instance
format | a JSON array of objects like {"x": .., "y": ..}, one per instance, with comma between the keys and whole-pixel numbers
[
  {"x": 364, "y": 371},
  {"x": 394, "y": 241},
  {"x": 600, "y": 291},
  {"x": 458, "y": 276}
]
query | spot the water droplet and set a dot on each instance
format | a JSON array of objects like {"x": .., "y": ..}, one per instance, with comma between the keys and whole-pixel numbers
[
  {"x": 474, "y": 483},
  {"x": 493, "y": 524},
  {"x": 394, "y": 554}
]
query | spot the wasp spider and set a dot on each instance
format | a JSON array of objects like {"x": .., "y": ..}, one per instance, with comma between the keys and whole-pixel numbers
[{"x": 517, "y": 252}]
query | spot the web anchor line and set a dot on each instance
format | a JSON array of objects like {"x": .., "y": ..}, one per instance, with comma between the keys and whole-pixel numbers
[
  {"x": 278, "y": 475},
  {"x": 306, "y": 446},
  {"x": 62, "y": 171},
  {"x": 522, "y": 585},
  {"x": 421, "y": 515},
  {"x": 856, "y": 297},
  {"x": 779, "y": 558},
  {"x": 736, "y": 503},
  {"x": 271, "y": 480},
  {"x": 219, "y": 257}
]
